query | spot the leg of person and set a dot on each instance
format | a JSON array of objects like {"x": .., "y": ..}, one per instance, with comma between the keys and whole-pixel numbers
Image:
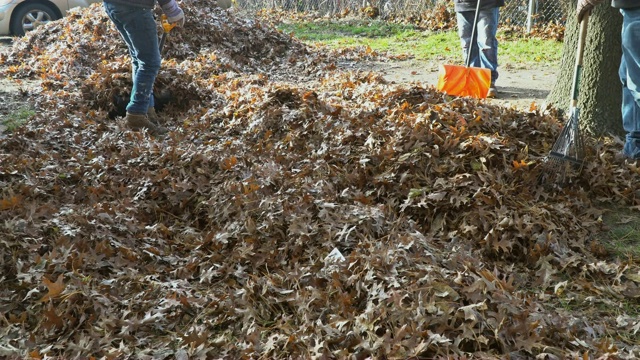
[
  {"x": 488, "y": 43},
  {"x": 151, "y": 111},
  {"x": 138, "y": 29},
  {"x": 630, "y": 77},
  {"x": 465, "y": 29},
  {"x": 136, "y": 66}
]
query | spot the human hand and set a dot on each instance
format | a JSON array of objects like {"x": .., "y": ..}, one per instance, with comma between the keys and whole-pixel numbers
[
  {"x": 174, "y": 13},
  {"x": 585, "y": 7}
]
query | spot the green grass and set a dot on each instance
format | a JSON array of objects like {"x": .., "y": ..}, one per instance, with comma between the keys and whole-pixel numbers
[
  {"x": 423, "y": 45},
  {"x": 623, "y": 235},
  {"x": 17, "y": 118},
  {"x": 531, "y": 51},
  {"x": 329, "y": 31}
]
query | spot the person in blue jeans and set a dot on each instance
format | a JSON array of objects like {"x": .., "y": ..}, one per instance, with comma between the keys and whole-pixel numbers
[
  {"x": 484, "y": 47},
  {"x": 135, "y": 22},
  {"x": 629, "y": 70}
]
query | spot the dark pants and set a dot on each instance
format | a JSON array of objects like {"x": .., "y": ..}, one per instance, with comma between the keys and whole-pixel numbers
[
  {"x": 484, "y": 47},
  {"x": 138, "y": 29}
]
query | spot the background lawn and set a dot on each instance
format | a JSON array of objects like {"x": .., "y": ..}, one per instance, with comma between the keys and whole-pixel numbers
[{"x": 398, "y": 39}]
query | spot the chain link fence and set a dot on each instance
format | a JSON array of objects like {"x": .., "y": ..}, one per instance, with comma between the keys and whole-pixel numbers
[
  {"x": 526, "y": 13},
  {"x": 529, "y": 13}
]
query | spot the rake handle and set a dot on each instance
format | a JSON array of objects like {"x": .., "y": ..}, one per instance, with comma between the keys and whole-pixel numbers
[
  {"x": 582, "y": 37},
  {"x": 473, "y": 34}
]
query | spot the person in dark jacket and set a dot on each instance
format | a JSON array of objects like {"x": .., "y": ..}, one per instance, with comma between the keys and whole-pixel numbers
[
  {"x": 629, "y": 70},
  {"x": 484, "y": 46},
  {"x": 135, "y": 22}
]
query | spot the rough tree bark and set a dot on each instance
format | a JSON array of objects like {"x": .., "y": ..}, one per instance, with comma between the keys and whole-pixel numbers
[{"x": 600, "y": 90}]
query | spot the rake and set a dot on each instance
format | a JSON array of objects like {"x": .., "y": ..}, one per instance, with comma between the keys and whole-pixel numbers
[
  {"x": 566, "y": 155},
  {"x": 166, "y": 28}
]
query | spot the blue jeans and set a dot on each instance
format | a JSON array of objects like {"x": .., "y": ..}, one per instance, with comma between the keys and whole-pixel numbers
[
  {"x": 484, "y": 48},
  {"x": 630, "y": 77},
  {"x": 138, "y": 29}
]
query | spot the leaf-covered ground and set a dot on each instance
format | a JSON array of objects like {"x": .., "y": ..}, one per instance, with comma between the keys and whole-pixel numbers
[{"x": 213, "y": 242}]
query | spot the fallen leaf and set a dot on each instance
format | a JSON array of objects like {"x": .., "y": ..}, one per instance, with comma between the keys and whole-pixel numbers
[{"x": 55, "y": 288}]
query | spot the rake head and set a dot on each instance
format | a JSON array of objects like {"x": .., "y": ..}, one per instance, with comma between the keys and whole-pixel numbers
[{"x": 566, "y": 156}]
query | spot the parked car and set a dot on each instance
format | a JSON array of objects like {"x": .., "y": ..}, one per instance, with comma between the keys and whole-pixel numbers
[{"x": 19, "y": 16}]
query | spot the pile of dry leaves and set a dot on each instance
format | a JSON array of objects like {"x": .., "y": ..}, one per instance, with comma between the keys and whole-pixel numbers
[{"x": 213, "y": 242}]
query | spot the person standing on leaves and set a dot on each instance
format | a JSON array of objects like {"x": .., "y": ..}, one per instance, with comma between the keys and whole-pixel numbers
[
  {"x": 135, "y": 22},
  {"x": 629, "y": 70},
  {"x": 484, "y": 47}
]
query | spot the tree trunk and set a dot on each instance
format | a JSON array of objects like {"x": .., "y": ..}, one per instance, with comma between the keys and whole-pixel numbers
[{"x": 600, "y": 90}]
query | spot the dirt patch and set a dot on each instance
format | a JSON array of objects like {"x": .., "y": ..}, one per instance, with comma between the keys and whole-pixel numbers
[{"x": 517, "y": 88}]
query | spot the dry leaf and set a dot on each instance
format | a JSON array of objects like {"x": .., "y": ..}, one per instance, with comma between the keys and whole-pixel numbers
[{"x": 54, "y": 288}]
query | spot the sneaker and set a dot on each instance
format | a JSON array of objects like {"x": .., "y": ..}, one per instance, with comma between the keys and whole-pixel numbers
[
  {"x": 491, "y": 94},
  {"x": 153, "y": 117},
  {"x": 137, "y": 122}
]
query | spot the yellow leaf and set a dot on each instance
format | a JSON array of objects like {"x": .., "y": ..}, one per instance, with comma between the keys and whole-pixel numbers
[
  {"x": 521, "y": 164},
  {"x": 229, "y": 162}
]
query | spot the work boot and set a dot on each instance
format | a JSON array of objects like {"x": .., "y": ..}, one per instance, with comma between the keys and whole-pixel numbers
[
  {"x": 153, "y": 117},
  {"x": 491, "y": 94},
  {"x": 137, "y": 122}
]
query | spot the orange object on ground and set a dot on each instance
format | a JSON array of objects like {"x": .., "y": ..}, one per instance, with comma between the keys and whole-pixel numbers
[{"x": 460, "y": 80}]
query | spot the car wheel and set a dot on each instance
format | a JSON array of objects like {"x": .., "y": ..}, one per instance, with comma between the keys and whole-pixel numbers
[{"x": 30, "y": 17}]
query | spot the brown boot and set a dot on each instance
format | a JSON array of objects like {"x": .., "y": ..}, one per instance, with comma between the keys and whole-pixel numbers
[
  {"x": 137, "y": 122},
  {"x": 153, "y": 117}
]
